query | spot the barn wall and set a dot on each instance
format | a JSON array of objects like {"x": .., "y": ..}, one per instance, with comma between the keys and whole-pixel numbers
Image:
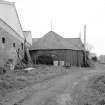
[
  {"x": 7, "y": 51},
  {"x": 70, "y": 57},
  {"x": 74, "y": 58}
]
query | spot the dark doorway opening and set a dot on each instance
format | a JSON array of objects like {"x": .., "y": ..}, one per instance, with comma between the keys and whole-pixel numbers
[{"x": 45, "y": 60}]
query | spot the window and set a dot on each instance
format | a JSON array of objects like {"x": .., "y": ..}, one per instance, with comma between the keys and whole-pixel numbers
[
  {"x": 3, "y": 40},
  {"x": 18, "y": 51},
  {"x": 13, "y": 44},
  {"x": 22, "y": 46}
]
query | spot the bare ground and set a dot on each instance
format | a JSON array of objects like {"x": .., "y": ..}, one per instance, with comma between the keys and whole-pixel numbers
[{"x": 73, "y": 86}]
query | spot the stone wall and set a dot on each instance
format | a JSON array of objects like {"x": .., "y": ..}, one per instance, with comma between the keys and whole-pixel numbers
[{"x": 9, "y": 45}]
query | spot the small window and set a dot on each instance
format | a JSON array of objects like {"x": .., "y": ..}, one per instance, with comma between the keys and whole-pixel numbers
[
  {"x": 13, "y": 44},
  {"x": 22, "y": 46},
  {"x": 18, "y": 52},
  {"x": 3, "y": 40}
]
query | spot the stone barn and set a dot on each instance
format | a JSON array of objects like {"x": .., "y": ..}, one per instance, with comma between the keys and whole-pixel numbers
[
  {"x": 52, "y": 49},
  {"x": 11, "y": 34}
]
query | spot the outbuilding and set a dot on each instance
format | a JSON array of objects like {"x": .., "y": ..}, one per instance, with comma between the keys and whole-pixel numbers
[
  {"x": 11, "y": 34},
  {"x": 52, "y": 49}
]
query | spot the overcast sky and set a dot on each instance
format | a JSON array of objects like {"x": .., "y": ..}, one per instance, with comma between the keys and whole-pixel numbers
[{"x": 68, "y": 18}]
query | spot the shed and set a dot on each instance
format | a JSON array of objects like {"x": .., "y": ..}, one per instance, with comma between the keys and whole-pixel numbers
[{"x": 53, "y": 48}]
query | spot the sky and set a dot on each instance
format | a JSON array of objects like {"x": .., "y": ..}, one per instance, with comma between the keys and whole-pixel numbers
[{"x": 67, "y": 17}]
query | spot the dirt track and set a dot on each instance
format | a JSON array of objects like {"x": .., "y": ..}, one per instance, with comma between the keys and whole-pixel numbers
[
  {"x": 59, "y": 85},
  {"x": 55, "y": 87}
]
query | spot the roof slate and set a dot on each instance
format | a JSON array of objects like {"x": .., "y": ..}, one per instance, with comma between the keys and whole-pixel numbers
[
  {"x": 54, "y": 41},
  {"x": 9, "y": 15},
  {"x": 28, "y": 36}
]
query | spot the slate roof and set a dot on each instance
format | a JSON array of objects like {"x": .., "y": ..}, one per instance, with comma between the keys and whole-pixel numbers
[
  {"x": 54, "y": 41},
  {"x": 76, "y": 42},
  {"x": 34, "y": 40},
  {"x": 28, "y": 36},
  {"x": 8, "y": 29},
  {"x": 9, "y": 15},
  {"x": 4, "y": 1}
]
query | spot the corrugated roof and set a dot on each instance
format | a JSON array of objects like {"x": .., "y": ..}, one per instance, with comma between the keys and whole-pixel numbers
[
  {"x": 54, "y": 41},
  {"x": 9, "y": 15}
]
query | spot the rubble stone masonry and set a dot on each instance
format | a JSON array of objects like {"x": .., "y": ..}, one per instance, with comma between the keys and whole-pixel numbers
[{"x": 10, "y": 47}]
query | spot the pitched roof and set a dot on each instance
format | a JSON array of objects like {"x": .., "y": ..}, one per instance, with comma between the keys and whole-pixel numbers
[
  {"x": 8, "y": 29},
  {"x": 50, "y": 41},
  {"x": 4, "y": 1},
  {"x": 9, "y": 15},
  {"x": 28, "y": 36},
  {"x": 76, "y": 42},
  {"x": 34, "y": 40},
  {"x": 53, "y": 41}
]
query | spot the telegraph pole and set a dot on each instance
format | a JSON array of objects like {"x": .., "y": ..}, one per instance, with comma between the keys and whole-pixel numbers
[{"x": 85, "y": 42}]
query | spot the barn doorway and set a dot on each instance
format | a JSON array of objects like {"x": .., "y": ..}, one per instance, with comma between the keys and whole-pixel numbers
[{"x": 44, "y": 59}]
